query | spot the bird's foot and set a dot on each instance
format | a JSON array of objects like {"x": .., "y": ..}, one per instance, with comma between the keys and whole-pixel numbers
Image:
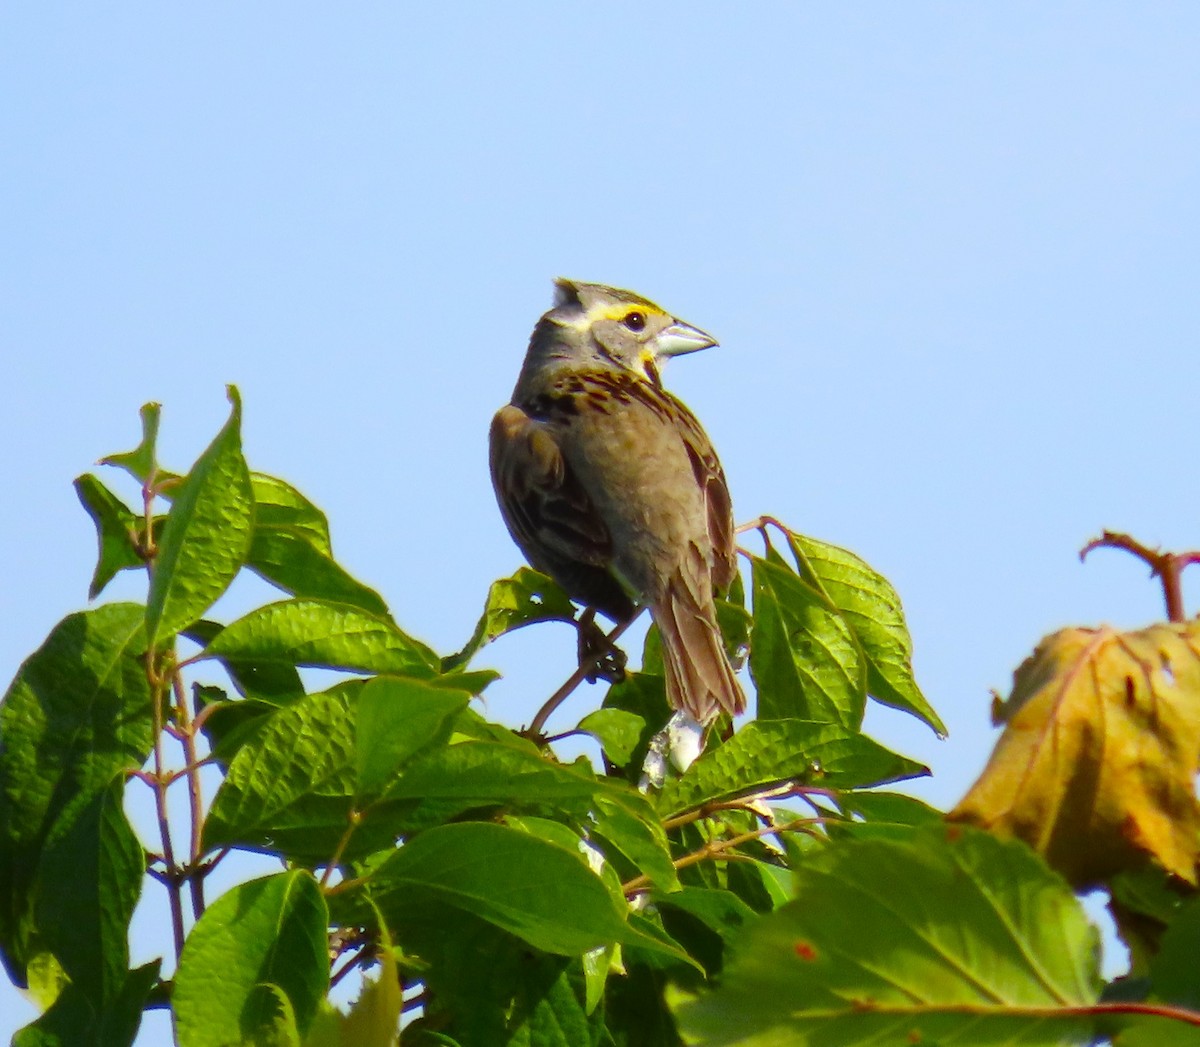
[{"x": 602, "y": 658}]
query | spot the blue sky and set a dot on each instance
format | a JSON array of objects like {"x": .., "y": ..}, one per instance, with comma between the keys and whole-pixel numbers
[{"x": 950, "y": 251}]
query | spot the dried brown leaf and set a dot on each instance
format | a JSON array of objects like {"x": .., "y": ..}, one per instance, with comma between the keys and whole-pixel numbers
[{"x": 1096, "y": 766}]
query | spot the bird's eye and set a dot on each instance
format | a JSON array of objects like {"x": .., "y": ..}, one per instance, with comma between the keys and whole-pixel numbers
[{"x": 635, "y": 321}]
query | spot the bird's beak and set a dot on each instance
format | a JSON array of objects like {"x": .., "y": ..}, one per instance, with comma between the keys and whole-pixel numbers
[{"x": 681, "y": 338}]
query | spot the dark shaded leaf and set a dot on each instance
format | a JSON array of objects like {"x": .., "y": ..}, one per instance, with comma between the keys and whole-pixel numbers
[
  {"x": 116, "y": 526},
  {"x": 89, "y": 880},
  {"x": 76, "y": 716}
]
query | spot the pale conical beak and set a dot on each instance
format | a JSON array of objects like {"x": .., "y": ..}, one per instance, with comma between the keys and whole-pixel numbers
[{"x": 681, "y": 338}]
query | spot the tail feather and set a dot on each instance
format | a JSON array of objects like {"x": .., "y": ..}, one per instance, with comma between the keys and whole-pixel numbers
[{"x": 700, "y": 679}]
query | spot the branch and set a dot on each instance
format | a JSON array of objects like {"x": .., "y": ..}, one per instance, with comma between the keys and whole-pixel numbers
[
  {"x": 534, "y": 730},
  {"x": 158, "y": 691},
  {"x": 716, "y": 849},
  {"x": 187, "y": 737},
  {"x": 1167, "y": 566}
]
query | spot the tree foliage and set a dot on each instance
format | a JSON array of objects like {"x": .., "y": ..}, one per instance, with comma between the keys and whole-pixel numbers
[{"x": 488, "y": 891}]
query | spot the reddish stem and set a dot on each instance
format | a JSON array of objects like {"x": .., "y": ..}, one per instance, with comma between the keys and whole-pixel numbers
[{"x": 1167, "y": 566}]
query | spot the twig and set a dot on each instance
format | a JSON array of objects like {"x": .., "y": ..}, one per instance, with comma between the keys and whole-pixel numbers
[
  {"x": 1167, "y": 566},
  {"x": 715, "y": 850},
  {"x": 355, "y": 960},
  {"x": 354, "y": 818},
  {"x": 534, "y": 730},
  {"x": 158, "y": 689},
  {"x": 195, "y": 799}
]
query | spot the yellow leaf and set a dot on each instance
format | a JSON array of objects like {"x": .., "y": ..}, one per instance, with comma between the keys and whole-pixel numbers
[
  {"x": 1097, "y": 763},
  {"x": 374, "y": 1018}
]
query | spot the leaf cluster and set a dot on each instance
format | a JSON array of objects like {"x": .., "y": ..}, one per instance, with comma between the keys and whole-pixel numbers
[{"x": 489, "y": 891}]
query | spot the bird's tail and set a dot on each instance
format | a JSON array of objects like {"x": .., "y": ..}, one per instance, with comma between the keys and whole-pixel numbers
[{"x": 700, "y": 680}]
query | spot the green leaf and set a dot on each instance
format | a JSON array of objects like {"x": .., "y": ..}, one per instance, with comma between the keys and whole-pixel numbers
[
  {"x": 268, "y": 1020},
  {"x": 73, "y": 1020},
  {"x": 950, "y": 936},
  {"x": 206, "y": 536},
  {"x": 274, "y": 682},
  {"x": 88, "y": 883},
  {"x": 804, "y": 658},
  {"x": 722, "y": 912},
  {"x": 482, "y": 774},
  {"x": 1173, "y": 971},
  {"x": 617, "y": 731},
  {"x": 268, "y": 932},
  {"x": 115, "y": 526},
  {"x": 288, "y": 558},
  {"x": 324, "y": 634},
  {"x": 526, "y": 597},
  {"x": 873, "y": 609},
  {"x": 278, "y": 504},
  {"x": 398, "y": 718},
  {"x": 536, "y": 890},
  {"x": 141, "y": 461},
  {"x": 629, "y": 826},
  {"x": 893, "y": 808},
  {"x": 75, "y": 717},
  {"x": 291, "y": 786},
  {"x": 775, "y": 751}
]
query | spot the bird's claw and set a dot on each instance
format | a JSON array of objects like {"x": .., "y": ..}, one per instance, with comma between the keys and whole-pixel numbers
[{"x": 603, "y": 659}]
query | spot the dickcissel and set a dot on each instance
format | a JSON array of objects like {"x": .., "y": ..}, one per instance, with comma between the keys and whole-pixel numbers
[{"x": 609, "y": 484}]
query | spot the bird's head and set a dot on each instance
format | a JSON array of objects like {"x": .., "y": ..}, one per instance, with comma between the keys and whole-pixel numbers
[{"x": 592, "y": 325}]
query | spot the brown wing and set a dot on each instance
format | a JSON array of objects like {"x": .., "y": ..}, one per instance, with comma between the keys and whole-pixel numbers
[
  {"x": 549, "y": 515},
  {"x": 710, "y": 477}
]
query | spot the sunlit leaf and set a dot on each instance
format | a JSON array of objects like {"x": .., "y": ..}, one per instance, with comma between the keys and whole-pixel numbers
[
  {"x": 396, "y": 719},
  {"x": 268, "y": 932},
  {"x": 320, "y": 633},
  {"x": 142, "y": 460},
  {"x": 617, "y": 731},
  {"x": 875, "y": 950},
  {"x": 767, "y": 752},
  {"x": 526, "y": 597},
  {"x": 288, "y": 558},
  {"x": 804, "y": 657},
  {"x": 206, "y": 536},
  {"x": 872, "y": 608},
  {"x": 278, "y": 504},
  {"x": 534, "y": 889}
]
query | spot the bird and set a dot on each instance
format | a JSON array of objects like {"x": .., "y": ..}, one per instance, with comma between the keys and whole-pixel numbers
[{"x": 609, "y": 484}]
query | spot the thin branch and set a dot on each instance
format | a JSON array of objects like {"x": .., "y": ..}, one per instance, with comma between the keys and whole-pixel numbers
[
  {"x": 354, "y": 818},
  {"x": 171, "y": 881},
  {"x": 1167, "y": 566},
  {"x": 534, "y": 730},
  {"x": 778, "y": 791},
  {"x": 358, "y": 958},
  {"x": 715, "y": 850},
  {"x": 183, "y": 712}
]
